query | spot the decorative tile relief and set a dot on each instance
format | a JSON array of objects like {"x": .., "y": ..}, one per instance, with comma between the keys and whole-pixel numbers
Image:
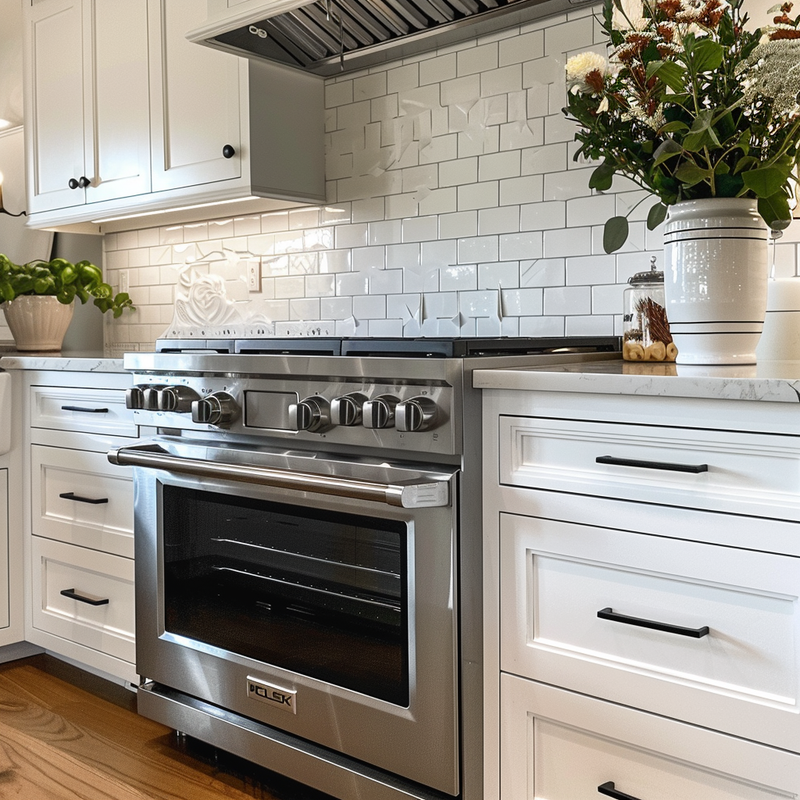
[{"x": 455, "y": 208}]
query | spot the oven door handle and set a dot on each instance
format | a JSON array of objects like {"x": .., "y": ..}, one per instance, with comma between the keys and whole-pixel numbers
[{"x": 422, "y": 494}]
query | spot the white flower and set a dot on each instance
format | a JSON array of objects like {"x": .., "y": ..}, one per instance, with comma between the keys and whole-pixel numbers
[
  {"x": 629, "y": 15},
  {"x": 580, "y": 66}
]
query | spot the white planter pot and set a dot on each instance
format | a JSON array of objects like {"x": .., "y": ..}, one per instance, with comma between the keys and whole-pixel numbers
[
  {"x": 715, "y": 279},
  {"x": 38, "y": 322}
]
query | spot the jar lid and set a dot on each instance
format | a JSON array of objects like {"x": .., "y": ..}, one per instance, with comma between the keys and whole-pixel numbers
[{"x": 653, "y": 276}]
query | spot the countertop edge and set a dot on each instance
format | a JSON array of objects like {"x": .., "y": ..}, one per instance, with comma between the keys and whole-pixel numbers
[
  {"x": 771, "y": 382},
  {"x": 70, "y": 362}
]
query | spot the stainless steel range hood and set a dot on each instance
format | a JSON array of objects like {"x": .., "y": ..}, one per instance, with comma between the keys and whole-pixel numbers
[{"x": 328, "y": 37}]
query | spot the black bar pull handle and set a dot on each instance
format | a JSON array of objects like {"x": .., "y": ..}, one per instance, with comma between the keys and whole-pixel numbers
[
  {"x": 85, "y": 598},
  {"x": 665, "y": 465},
  {"x": 95, "y": 501},
  {"x": 85, "y": 410},
  {"x": 608, "y": 789},
  {"x": 694, "y": 633}
]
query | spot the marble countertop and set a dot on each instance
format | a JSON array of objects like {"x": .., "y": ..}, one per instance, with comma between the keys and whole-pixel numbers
[
  {"x": 774, "y": 381},
  {"x": 79, "y": 361}
]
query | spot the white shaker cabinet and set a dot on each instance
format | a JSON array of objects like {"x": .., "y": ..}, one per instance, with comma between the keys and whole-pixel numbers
[
  {"x": 120, "y": 105},
  {"x": 80, "y": 520},
  {"x": 642, "y": 594},
  {"x": 87, "y": 101},
  {"x": 228, "y": 126}
]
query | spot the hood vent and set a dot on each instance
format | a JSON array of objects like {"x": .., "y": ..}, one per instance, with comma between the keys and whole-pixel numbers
[{"x": 328, "y": 37}]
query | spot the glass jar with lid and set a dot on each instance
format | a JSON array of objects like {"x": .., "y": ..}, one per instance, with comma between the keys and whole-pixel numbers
[{"x": 645, "y": 335}]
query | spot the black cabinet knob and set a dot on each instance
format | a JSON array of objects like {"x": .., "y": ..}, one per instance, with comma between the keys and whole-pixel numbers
[
  {"x": 72, "y": 183},
  {"x": 228, "y": 151},
  {"x": 83, "y": 182}
]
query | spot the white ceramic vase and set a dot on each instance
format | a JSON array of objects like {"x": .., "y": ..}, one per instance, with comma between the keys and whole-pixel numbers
[
  {"x": 38, "y": 322},
  {"x": 715, "y": 279}
]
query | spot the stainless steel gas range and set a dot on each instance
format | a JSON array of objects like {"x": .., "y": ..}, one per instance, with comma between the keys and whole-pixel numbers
[{"x": 308, "y": 570}]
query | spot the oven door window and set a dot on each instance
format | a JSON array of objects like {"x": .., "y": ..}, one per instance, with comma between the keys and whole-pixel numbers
[{"x": 319, "y": 593}]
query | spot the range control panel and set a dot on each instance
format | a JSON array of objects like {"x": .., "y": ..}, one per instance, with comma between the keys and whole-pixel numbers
[{"x": 406, "y": 415}]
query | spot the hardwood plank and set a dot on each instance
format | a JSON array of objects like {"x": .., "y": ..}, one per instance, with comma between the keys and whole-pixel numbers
[{"x": 54, "y": 729}]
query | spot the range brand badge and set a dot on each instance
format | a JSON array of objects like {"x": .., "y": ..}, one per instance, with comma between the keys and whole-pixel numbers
[{"x": 275, "y": 696}]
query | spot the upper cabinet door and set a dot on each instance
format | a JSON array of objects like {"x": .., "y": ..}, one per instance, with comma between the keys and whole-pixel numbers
[
  {"x": 54, "y": 108},
  {"x": 198, "y": 131},
  {"x": 117, "y": 139},
  {"x": 87, "y": 102}
]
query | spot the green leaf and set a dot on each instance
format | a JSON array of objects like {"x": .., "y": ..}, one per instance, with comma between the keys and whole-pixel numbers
[
  {"x": 670, "y": 72},
  {"x": 765, "y": 181},
  {"x": 690, "y": 174},
  {"x": 666, "y": 150},
  {"x": 775, "y": 210},
  {"x": 744, "y": 163},
  {"x": 707, "y": 55},
  {"x": 656, "y": 215},
  {"x": 615, "y": 234},
  {"x": 602, "y": 177},
  {"x": 672, "y": 127},
  {"x": 728, "y": 185}
]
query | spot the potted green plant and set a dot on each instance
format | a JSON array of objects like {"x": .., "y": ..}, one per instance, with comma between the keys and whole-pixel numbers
[
  {"x": 38, "y": 298},
  {"x": 703, "y": 113}
]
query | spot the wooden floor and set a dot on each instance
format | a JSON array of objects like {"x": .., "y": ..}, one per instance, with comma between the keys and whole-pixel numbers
[{"x": 65, "y": 734}]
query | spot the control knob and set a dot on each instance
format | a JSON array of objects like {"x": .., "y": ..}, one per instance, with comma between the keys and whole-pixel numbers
[
  {"x": 416, "y": 414},
  {"x": 218, "y": 409},
  {"x": 150, "y": 397},
  {"x": 134, "y": 397},
  {"x": 379, "y": 412},
  {"x": 310, "y": 414},
  {"x": 346, "y": 410},
  {"x": 176, "y": 398}
]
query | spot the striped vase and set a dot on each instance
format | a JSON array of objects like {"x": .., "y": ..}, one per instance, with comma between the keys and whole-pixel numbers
[{"x": 715, "y": 279}]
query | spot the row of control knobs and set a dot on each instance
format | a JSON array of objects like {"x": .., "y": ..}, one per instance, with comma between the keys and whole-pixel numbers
[{"x": 313, "y": 414}]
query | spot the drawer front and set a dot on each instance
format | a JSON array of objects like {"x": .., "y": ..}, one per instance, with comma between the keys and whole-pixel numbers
[
  {"x": 84, "y": 410},
  {"x": 717, "y": 470},
  {"x": 78, "y": 499},
  {"x": 562, "y": 746},
  {"x": 704, "y": 633},
  {"x": 107, "y": 627}
]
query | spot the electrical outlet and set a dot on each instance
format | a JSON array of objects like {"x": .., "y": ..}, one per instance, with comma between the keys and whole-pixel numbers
[
  {"x": 254, "y": 274},
  {"x": 124, "y": 281}
]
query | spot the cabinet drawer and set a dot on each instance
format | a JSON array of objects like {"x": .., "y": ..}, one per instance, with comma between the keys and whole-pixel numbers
[
  {"x": 76, "y": 409},
  {"x": 563, "y": 746},
  {"x": 77, "y": 499},
  {"x": 107, "y": 627},
  {"x": 726, "y": 656},
  {"x": 745, "y": 473}
]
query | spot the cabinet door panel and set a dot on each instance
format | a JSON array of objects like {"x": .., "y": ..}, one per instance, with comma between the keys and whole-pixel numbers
[
  {"x": 738, "y": 673},
  {"x": 196, "y": 102},
  {"x": 118, "y": 144},
  {"x": 76, "y": 499},
  {"x": 107, "y": 627},
  {"x": 561, "y": 746},
  {"x": 54, "y": 114}
]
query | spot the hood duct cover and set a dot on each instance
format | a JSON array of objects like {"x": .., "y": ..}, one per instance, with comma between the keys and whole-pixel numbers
[{"x": 328, "y": 37}]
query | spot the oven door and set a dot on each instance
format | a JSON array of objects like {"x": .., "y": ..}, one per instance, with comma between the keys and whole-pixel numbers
[{"x": 313, "y": 594}]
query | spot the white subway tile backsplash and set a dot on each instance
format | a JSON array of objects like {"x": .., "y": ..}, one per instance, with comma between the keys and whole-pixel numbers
[
  {"x": 477, "y": 59},
  {"x": 455, "y": 207},
  {"x": 520, "y": 246},
  {"x": 478, "y": 195},
  {"x": 495, "y": 166},
  {"x": 504, "y": 219},
  {"x": 481, "y": 248},
  {"x": 525, "y": 47},
  {"x": 499, "y": 275}
]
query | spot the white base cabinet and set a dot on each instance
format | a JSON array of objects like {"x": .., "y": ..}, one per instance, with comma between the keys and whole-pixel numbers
[
  {"x": 80, "y": 517},
  {"x": 642, "y": 588}
]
